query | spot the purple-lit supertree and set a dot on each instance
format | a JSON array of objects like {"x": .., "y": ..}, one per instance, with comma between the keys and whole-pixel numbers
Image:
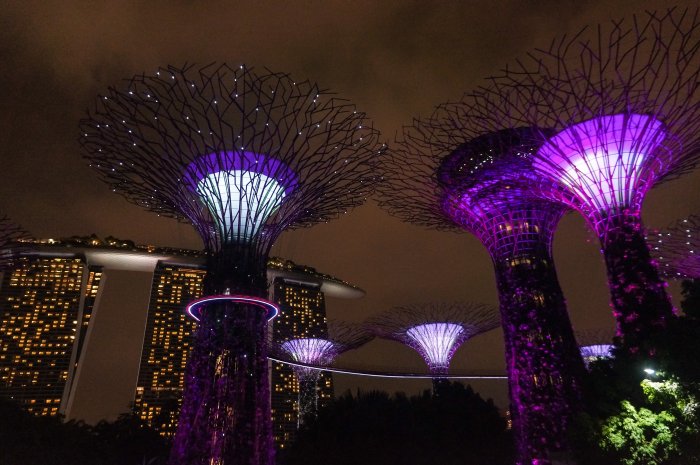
[
  {"x": 242, "y": 156},
  {"x": 435, "y": 330},
  {"x": 595, "y": 344},
  {"x": 319, "y": 352},
  {"x": 677, "y": 249},
  {"x": 624, "y": 105},
  {"x": 441, "y": 175}
]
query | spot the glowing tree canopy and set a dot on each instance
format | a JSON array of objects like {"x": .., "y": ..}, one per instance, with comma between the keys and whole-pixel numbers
[
  {"x": 242, "y": 156},
  {"x": 319, "y": 352},
  {"x": 624, "y": 107},
  {"x": 677, "y": 249},
  {"x": 595, "y": 345},
  {"x": 435, "y": 331},
  {"x": 10, "y": 234},
  {"x": 445, "y": 175}
]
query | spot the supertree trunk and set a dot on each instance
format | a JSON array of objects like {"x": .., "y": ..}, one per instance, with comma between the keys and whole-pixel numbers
[
  {"x": 439, "y": 383},
  {"x": 308, "y": 396},
  {"x": 544, "y": 363},
  {"x": 225, "y": 417},
  {"x": 638, "y": 295}
]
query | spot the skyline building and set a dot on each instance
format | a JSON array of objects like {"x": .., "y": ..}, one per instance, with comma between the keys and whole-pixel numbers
[
  {"x": 41, "y": 313},
  {"x": 71, "y": 276},
  {"x": 166, "y": 345}
]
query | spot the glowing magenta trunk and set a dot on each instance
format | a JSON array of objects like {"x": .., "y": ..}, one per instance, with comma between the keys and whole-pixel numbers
[
  {"x": 543, "y": 360},
  {"x": 225, "y": 417},
  {"x": 604, "y": 168}
]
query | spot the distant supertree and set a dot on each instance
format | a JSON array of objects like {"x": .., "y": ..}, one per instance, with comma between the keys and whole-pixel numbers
[
  {"x": 435, "y": 330},
  {"x": 320, "y": 352},
  {"x": 595, "y": 344},
  {"x": 242, "y": 156},
  {"x": 10, "y": 235},
  {"x": 442, "y": 175},
  {"x": 677, "y": 249},
  {"x": 624, "y": 105}
]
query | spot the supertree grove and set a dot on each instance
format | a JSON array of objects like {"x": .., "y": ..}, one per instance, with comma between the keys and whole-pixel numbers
[
  {"x": 616, "y": 111},
  {"x": 435, "y": 330},
  {"x": 677, "y": 249},
  {"x": 442, "y": 175},
  {"x": 242, "y": 156},
  {"x": 314, "y": 353}
]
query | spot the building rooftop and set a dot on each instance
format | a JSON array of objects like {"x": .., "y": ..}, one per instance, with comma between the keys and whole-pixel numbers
[{"x": 124, "y": 254}]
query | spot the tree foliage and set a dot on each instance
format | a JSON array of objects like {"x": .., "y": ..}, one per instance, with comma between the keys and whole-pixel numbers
[
  {"x": 26, "y": 439},
  {"x": 455, "y": 427},
  {"x": 632, "y": 420}
]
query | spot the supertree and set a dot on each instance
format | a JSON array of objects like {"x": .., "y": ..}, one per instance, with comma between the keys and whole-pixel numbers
[
  {"x": 624, "y": 106},
  {"x": 435, "y": 330},
  {"x": 677, "y": 249},
  {"x": 242, "y": 156},
  {"x": 443, "y": 175},
  {"x": 595, "y": 344},
  {"x": 319, "y": 353},
  {"x": 10, "y": 236}
]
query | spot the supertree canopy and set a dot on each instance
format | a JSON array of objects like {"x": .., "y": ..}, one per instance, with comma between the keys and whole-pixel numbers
[
  {"x": 595, "y": 344},
  {"x": 436, "y": 330},
  {"x": 677, "y": 249},
  {"x": 315, "y": 353},
  {"x": 443, "y": 174},
  {"x": 624, "y": 106},
  {"x": 242, "y": 156}
]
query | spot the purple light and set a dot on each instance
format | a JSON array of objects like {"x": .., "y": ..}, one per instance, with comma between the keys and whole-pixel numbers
[
  {"x": 605, "y": 162},
  {"x": 194, "y": 308},
  {"x": 593, "y": 352},
  {"x": 241, "y": 190},
  {"x": 437, "y": 343},
  {"x": 310, "y": 350}
]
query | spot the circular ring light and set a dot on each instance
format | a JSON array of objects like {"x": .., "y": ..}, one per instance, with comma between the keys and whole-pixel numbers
[{"x": 194, "y": 308}]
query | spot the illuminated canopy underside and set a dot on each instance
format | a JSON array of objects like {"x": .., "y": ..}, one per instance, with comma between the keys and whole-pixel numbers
[
  {"x": 603, "y": 161},
  {"x": 595, "y": 352},
  {"x": 312, "y": 351},
  {"x": 242, "y": 190},
  {"x": 436, "y": 342}
]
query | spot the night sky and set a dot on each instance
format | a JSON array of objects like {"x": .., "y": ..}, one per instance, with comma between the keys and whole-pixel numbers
[{"x": 394, "y": 60}]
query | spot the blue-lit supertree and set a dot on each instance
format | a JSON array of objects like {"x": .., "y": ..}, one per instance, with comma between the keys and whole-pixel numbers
[{"x": 242, "y": 156}]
